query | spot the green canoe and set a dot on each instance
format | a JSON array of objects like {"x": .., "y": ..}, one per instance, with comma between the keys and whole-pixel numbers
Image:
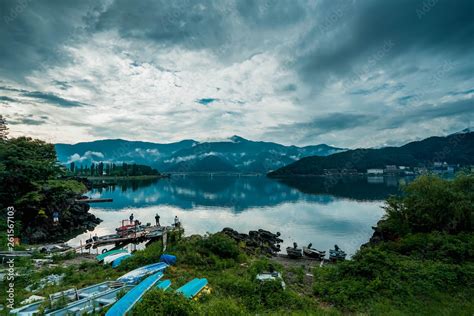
[{"x": 109, "y": 253}]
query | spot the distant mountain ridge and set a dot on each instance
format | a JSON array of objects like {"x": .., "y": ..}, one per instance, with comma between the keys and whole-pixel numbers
[
  {"x": 457, "y": 148},
  {"x": 235, "y": 154}
]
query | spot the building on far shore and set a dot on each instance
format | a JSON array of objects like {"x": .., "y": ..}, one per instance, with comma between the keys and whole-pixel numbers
[{"x": 375, "y": 171}]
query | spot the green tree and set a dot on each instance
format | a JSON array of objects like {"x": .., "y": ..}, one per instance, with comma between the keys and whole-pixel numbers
[
  {"x": 3, "y": 128},
  {"x": 432, "y": 204},
  {"x": 100, "y": 169}
]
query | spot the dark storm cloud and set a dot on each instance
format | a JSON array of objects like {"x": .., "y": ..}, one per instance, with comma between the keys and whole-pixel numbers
[
  {"x": 194, "y": 24},
  {"x": 6, "y": 99},
  {"x": 361, "y": 28},
  {"x": 32, "y": 31},
  {"x": 52, "y": 99},
  {"x": 18, "y": 119},
  {"x": 322, "y": 125},
  {"x": 463, "y": 109}
]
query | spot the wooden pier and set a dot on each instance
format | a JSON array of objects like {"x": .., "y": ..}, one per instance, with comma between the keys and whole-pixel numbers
[{"x": 121, "y": 239}]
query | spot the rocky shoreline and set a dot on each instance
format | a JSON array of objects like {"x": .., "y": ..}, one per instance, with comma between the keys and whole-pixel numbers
[{"x": 74, "y": 218}]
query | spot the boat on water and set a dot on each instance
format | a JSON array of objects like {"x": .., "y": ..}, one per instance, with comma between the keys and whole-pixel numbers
[
  {"x": 91, "y": 305},
  {"x": 112, "y": 258},
  {"x": 313, "y": 253},
  {"x": 119, "y": 260},
  {"x": 294, "y": 252},
  {"x": 124, "y": 304},
  {"x": 136, "y": 275},
  {"x": 193, "y": 287},
  {"x": 102, "y": 256},
  {"x": 71, "y": 295}
]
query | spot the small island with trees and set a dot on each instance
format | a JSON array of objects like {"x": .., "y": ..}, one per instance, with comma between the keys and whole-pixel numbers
[{"x": 105, "y": 171}]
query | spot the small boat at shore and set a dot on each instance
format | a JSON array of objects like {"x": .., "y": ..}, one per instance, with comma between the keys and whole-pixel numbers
[
  {"x": 136, "y": 275},
  {"x": 118, "y": 261},
  {"x": 313, "y": 253},
  {"x": 102, "y": 256},
  {"x": 193, "y": 287},
  {"x": 112, "y": 258},
  {"x": 163, "y": 285},
  {"x": 91, "y": 305},
  {"x": 336, "y": 254},
  {"x": 71, "y": 295},
  {"x": 123, "y": 305},
  {"x": 294, "y": 252}
]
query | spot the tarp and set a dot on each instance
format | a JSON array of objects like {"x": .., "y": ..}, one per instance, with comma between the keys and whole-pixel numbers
[{"x": 169, "y": 259}]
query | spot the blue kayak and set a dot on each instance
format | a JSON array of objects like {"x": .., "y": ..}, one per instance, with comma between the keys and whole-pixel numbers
[
  {"x": 119, "y": 260},
  {"x": 193, "y": 287},
  {"x": 163, "y": 285},
  {"x": 125, "y": 304},
  {"x": 136, "y": 275}
]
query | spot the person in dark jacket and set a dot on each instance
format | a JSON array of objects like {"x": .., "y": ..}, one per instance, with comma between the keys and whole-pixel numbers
[{"x": 157, "y": 219}]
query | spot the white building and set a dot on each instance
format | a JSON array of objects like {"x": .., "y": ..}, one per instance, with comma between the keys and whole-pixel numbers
[{"x": 375, "y": 171}]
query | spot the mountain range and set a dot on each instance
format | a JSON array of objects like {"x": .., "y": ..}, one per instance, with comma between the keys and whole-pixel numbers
[
  {"x": 235, "y": 154},
  {"x": 455, "y": 149}
]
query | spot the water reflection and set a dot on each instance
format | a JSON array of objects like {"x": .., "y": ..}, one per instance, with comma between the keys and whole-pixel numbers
[
  {"x": 304, "y": 210},
  {"x": 241, "y": 193}
]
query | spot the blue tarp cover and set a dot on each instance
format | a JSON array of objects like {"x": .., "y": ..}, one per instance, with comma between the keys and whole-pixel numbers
[{"x": 169, "y": 259}]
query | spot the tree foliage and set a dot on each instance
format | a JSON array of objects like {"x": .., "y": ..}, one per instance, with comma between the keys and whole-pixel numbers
[{"x": 432, "y": 204}]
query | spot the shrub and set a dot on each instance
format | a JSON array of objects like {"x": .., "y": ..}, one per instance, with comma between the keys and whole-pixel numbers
[
  {"x": 157, "y": 302},
  {"x": 219, "y": 244}
]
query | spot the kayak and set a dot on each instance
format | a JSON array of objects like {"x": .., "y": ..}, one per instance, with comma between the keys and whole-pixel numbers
[
  {"x": 163, "y": 285},
  {"x": 193, "y": 287},
  {"x": 123, "y": 305},
  {"x": 109, "y": 253},
  {"x": 119, "y": 260},
  {"x": 111, "y": 258},
  {"x": 136, "y": 275}
]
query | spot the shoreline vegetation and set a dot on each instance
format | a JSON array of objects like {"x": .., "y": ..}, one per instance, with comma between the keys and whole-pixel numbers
[{"x": 45, "y": 204}]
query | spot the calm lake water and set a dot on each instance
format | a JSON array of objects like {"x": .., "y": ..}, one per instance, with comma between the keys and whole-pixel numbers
[{"x": 318, "y": 210}]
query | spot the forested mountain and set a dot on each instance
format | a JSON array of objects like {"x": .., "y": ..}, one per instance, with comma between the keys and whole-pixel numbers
[
  {"x": 454, "y": 149},
  {"x": 235, "y": 154}
]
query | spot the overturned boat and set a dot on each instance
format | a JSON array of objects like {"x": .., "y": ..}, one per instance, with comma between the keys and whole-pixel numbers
[
  {"x": 294, "y": 252},
  {"x": 313, "y": 253},
  {"x": 337, "y": 254}
]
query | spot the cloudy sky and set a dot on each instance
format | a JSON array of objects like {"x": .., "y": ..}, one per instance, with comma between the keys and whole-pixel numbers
[{"x": 345, "y": 73}]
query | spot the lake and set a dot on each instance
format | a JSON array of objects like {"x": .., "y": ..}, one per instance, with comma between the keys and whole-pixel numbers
[{"x": 323, "y": 211}]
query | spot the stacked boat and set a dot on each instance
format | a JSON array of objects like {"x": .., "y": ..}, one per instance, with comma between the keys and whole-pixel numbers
[{"x": 94, "y": 297}]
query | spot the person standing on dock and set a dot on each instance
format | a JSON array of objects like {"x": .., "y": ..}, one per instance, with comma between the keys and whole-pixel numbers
[
  {"x": 131, "y": 218},
  {"x": 157, "y": 219}
]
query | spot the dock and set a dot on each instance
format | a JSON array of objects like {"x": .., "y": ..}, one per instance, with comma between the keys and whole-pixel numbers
[{"x": 121, "y": 239}]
